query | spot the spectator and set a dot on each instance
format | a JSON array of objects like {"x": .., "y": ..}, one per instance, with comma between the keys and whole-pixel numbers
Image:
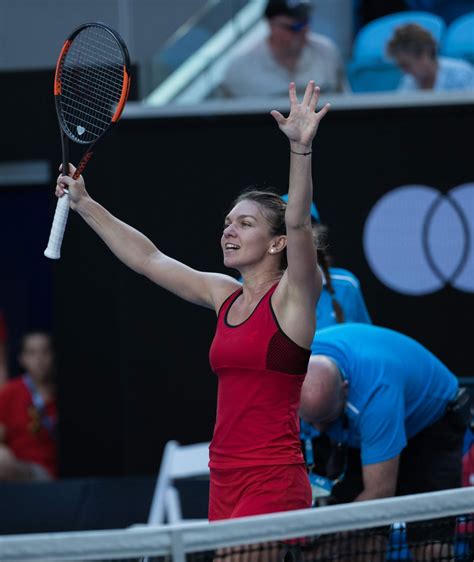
[
  {"x": 28, "y": 414},
  {"x": 393, "y": 411},
  {"x": 3, "y": 350},
  {"x": 289, "y": 53},
  {"x": 414, "y": 51}
]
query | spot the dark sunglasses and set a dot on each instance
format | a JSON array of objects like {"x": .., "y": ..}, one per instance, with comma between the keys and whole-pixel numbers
[{"x": 294, "y": 27}]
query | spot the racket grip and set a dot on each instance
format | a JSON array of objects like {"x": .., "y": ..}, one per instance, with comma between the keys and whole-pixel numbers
[{"x": 53, "y": 250}]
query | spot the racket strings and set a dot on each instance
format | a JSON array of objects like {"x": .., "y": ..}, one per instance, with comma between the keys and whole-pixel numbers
[
  {"x": 99, "y": 57},
  {"x": 107, "y": 70},
  {"x": 91, "y": 99},
  {"x": 92, "y": 79}
]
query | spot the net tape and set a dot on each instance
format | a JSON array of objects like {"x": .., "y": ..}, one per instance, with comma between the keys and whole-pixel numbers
[{"x": 202, "y": 541}]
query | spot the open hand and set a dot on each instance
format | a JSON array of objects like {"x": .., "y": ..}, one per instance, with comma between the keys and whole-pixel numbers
[{"x": 302, "y": 123}]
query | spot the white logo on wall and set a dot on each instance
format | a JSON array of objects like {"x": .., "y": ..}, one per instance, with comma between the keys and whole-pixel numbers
[{"x": 418, "y": 240}]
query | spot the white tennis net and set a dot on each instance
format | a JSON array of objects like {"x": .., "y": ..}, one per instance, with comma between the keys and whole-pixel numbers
[{"x": 441, "y": 523}]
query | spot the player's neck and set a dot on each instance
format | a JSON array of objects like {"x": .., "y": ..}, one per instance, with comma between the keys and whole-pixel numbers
[{"x": 258, "y": 284}]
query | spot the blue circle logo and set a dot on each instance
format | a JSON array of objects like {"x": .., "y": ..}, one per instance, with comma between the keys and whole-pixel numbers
[{"x": 418, "y": 240}]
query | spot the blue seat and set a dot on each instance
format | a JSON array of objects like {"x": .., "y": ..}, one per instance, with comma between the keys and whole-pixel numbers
[
  {"x": 373, "y": 76},
  {"x": 370, "y": 70},
  {"x": 371, "y": 41},
  {"x": 458, "y": 41}
]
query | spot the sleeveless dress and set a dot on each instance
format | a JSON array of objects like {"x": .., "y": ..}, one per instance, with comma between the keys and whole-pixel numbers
[{"x": 255, "y": 455}]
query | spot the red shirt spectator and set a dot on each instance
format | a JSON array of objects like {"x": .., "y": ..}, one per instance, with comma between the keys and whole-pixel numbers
[
  {"x": 28, "y": 415},
  {"x": 25, "y": 434}
]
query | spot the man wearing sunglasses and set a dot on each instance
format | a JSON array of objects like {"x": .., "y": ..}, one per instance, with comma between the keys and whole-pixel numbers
[{"x": 289, "y": 53}]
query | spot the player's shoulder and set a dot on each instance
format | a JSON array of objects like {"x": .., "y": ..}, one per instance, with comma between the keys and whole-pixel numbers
[
  {"x": 343, "y": 277},
  {"x": 224, "y": 287}
]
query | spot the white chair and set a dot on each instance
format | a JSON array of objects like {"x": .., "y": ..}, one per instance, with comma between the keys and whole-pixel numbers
[{"x": 179, "y": 461}]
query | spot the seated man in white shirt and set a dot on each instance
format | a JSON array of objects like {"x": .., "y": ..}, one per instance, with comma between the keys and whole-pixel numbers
[
  {"x": 414, "y": 51},
  {"x": 290, "y": 53}
]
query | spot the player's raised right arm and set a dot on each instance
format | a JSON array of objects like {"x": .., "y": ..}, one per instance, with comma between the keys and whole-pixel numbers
[{"x": 139, "y": 253}]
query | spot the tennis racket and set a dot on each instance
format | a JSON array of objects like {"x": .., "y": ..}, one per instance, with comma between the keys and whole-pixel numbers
[{"x": 91, "y": 87}]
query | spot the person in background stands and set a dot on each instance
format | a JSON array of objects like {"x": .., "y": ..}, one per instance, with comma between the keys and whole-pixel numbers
[
  {"x": 289, "y": 53},
  {"x": 414, "y": 51},
  {"x": 28, "y": 414}
]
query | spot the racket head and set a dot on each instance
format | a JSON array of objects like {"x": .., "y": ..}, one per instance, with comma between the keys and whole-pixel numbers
[{"x": 91, "y": 82}]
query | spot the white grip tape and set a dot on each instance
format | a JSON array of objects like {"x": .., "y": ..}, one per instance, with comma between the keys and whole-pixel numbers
[{"x": 53, "y": 250}]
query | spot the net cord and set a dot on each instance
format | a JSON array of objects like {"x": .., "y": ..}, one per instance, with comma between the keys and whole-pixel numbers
[{"x": 144, "y": 540}]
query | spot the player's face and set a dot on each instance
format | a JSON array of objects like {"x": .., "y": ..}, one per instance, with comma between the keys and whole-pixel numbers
[
  {"x": 246, "y": 238},
  {"x": 37, "y": 356},
  {"x": 287, "y": 33}
]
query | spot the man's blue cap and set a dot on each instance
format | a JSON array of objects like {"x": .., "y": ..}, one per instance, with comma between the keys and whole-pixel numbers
[{"x": 314, "y": 211}]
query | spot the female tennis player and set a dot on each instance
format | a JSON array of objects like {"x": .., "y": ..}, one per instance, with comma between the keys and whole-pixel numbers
[{"x": 265, "y": 325}]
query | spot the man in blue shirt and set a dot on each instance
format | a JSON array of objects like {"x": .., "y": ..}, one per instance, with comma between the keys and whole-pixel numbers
[{"x": 389, "y": 404}]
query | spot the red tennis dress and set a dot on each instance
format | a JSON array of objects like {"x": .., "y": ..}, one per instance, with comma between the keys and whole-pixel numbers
[{"x": 255, "y": 455}]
